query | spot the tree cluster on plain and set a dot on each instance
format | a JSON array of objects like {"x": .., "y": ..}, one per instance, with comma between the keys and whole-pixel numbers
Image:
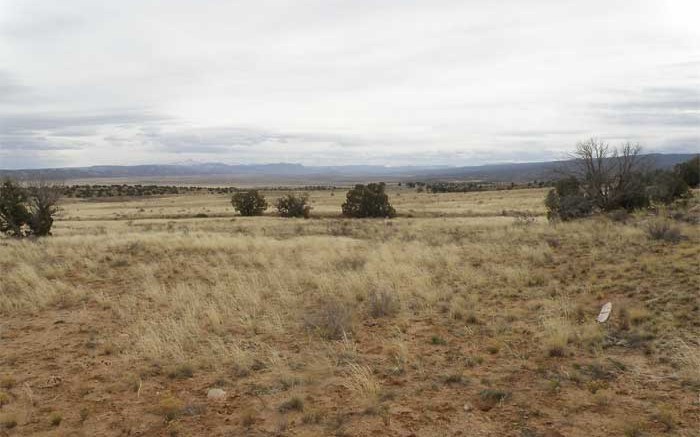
[
  {"x": 604, "y": 178},
  {"x": 362, "y": 201}
]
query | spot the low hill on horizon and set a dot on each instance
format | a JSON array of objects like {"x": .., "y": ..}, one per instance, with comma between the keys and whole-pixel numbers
[{"x": 198, "y": 173}]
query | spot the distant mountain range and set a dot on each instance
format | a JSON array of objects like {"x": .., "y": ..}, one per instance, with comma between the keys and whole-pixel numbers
[{"x": 283, "y": 173}]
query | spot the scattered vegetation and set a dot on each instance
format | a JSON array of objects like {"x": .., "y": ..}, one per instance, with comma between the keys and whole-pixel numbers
[
  {"x": 361, "y": 380},
  {"x": 663, "y": 230},
  {"x": 476, "y": 186},
  {"x": 55, "y": 419},
  {"x": 101, "y": 191},
  {"x": 437, "y": 340},
  {"x": 604, "y": 178},
  {"x": 382, "y": 304},
  {"x": 293, "y": 404},
  {"x": 170, "y": 408},
  {"x": 333, "y": 320},
  {"x": 490, "y": 398},
  {"x": 338, "y": 326},
  {"x": 634, "y": 429},
  {"x": 181, "y": 371},
  {"x": 689, "y": 172}
]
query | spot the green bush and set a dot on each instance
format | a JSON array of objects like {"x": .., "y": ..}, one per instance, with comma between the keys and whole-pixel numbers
[
  {"x": 249, "y": 203},
  {"x": 569, "y": 186},
  {"x": 630, "y": 195},
  {"x": 27, "y": 211},
  {"x": 567, "y": 207},
  {"x": 14, "y": 214},
  {"x": 368, "y": 201},
  {"x": 667, "y": 186},
  {"x": 689, "y": 171},
  {"x": 42, "y": 205},
  {"x": 293, "y": 206}
]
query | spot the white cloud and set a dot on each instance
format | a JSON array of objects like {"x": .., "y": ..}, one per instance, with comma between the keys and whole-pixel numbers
[{"x": 329, "y": 82}]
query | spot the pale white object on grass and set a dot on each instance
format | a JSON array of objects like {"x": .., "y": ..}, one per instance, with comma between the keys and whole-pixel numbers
[
  {"x": 216, "y": 394},
  {"x": 604, "y": 313}
]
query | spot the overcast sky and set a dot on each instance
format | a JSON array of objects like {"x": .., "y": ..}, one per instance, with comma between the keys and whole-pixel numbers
[{"x": 343, "y": 82}]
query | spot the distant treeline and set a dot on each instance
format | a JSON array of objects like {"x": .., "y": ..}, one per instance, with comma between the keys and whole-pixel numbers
[
  {"x": 465, "y": 187},
  {"x": 125, "y": 190},
  {"x": 138, "y": 190}
]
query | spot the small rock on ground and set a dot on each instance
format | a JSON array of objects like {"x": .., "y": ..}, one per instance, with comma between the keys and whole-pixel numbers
[{"x": 216, "y": 394}]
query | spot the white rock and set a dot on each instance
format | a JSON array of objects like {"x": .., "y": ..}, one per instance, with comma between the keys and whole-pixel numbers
[
  {"x": 604, "y": 313},
  {"x": 216, "y": 394}
]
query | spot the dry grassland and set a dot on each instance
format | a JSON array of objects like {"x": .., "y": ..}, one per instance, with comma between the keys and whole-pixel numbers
[{"x": 452, "y": 319}]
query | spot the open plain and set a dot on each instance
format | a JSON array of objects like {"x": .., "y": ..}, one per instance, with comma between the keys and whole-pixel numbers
[{"x": 468, "y": 314}]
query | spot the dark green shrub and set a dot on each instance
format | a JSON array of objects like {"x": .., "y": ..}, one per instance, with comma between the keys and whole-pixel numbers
[
  {"x": 249, "y": 203},
  {"x": 628, "y": 196},
  {"x": 567, "y": 207},
  {"x": 551, "y": 202},
  {"x": 689, "y": 171},
  {"x": 14, "y": 215},
  {"x": 567, "y": 201},
  {"x": 42, "y": 205},
  {"x": 569, "y": 186},
  {"x": 368, "y": 201},
  {"x": 571, "y": 207},
  {"x": 667, "y": 187},
  {"x": 27, "y": 211},
  {"x": 293, "y": 206}
]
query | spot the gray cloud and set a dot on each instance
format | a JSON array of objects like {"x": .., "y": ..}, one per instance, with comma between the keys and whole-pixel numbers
[
  {"x": 656, "y": 118},
  {"x": 22, "y": 143},
  {"x": 10, "y": 89},
  {"x": 456, "y": 82},
  {"x": 663, "y": 98},
  {"x": 24, "y": 122},
  {"x": 212, "y": 139},
  {"x": 656, "y": 106},
  {"x": 540, "y": 133},
  {"x": 22, "y": 133},
  {"x": 682, "y": 144}
]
